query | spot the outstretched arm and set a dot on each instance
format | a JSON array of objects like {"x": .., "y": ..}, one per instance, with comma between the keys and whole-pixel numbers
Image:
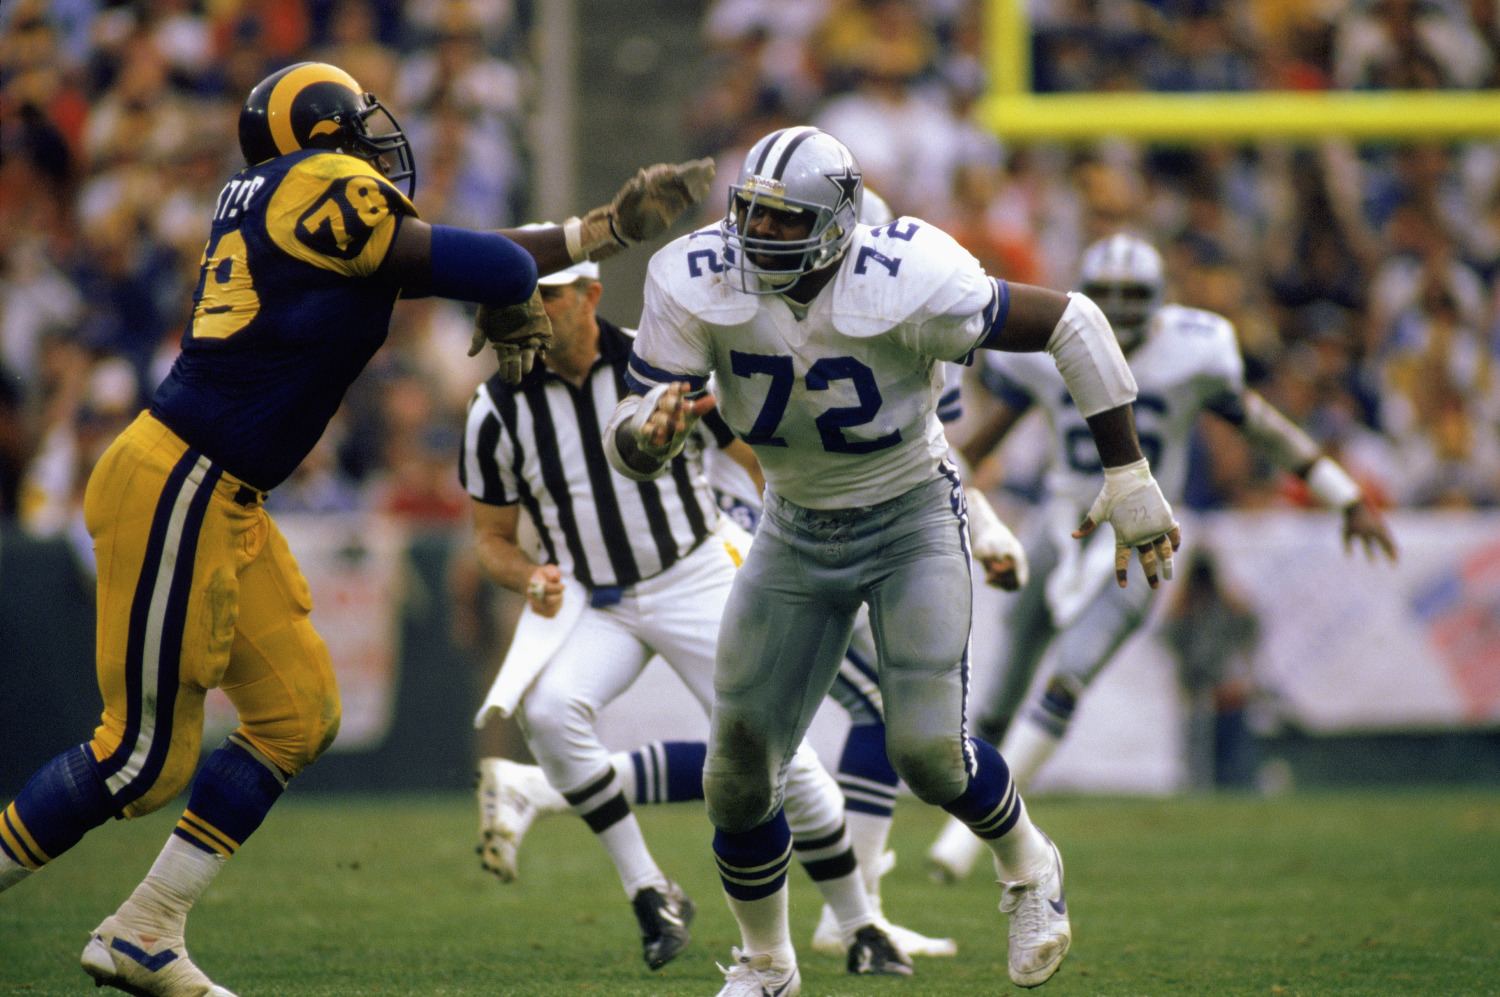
[
  {"x": 498, "y": 270},
  {"x": 1292, "y": 449}
]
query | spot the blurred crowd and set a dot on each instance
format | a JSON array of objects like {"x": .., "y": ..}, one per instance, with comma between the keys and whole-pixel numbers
[
  {"x": 1362, "y": 279},
  {"x": 117, "y": 131}
]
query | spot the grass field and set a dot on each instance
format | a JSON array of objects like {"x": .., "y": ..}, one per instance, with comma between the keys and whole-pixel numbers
[{"x": 1396, "y": 893}]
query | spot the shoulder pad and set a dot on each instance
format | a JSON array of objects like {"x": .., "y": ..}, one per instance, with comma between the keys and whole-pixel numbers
[
  {"x": 690, "y": 270},
  {"x": 1200, "y": 341},
  {"x": 1196, "y": 330},
  {"x": 1183, "y": 322},
  {"x": 902, "y": 271},
  {"x": 327, "y": 166}
]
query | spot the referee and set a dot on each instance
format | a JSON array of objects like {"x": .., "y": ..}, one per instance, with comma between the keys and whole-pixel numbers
[{"x": 655, "y": 574}]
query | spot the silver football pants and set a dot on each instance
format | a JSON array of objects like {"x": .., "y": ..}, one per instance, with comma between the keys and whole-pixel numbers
[{"x": 788, "y": 622}]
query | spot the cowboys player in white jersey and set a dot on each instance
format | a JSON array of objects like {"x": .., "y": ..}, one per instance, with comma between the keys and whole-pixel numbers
[
  {"x": 629, "y": 570},
  {"x": 513, "y": 795},
  {"x": 1186, "y": 361},
  {"x": 826, "y": 337},
  {"x": 864, "y": 772}
]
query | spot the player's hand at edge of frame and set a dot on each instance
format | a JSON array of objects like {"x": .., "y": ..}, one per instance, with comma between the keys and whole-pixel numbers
[
  {"x": 1131, "y": 501},
  {"x": 544, "y": 590},
  {"x": 1363, "y": 522}
]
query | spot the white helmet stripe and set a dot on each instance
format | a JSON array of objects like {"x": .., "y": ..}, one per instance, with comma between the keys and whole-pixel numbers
[{"x": 778, "y": 149}]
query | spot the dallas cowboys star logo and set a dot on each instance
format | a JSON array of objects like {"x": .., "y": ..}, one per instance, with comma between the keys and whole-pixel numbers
[{"x": 848, "y": 186}]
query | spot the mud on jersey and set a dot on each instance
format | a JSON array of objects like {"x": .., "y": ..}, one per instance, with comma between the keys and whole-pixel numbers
[
  {"x": 839, "y": 402},
  {"x": 286, "y": 313}
]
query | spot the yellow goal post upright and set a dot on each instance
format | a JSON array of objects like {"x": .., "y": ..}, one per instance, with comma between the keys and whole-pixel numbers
[{"x": 1013, "y": 112}]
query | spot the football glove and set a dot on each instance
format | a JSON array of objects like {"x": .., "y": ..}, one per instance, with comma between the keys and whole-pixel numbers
[
  {"x": 517, "y": 333},
  {"x": 644, "y": 208},
  {"x": 1132, "y": 502},
  {"x": 995, "y": 546}
]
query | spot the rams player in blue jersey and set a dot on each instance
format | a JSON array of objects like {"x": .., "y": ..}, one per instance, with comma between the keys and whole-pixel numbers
[{"x": 310, "y": 246}]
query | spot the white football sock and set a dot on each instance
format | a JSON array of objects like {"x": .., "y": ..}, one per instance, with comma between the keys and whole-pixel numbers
[
  {"x": 627, "y": 849},
  {"x": 869, "y": 834},
  {"x": 763, "y": 927},
  {"x": 850, "y": 903},
  {"x": 177, "y": 879},
  {"x": 1021, "y": 854},
  {"x": 1026, "y": 748}
]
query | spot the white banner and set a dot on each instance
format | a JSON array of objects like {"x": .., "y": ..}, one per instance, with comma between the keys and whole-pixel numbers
[
  {"x": 1354, "y": 645},
  {"x": 1346, "y": 645}
]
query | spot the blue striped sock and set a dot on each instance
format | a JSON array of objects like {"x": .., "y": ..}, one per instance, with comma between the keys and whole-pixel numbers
[
  {"x": 753, "y": 863},
  {"x": 990, "y": 804},
  {"x": 865, "y": 774},
  {"x": 232, "y": 793},
  {"x": 669, "y": 771}
]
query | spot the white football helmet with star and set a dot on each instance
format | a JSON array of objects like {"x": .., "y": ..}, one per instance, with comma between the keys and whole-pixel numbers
[{"x": 793, "y": 169}]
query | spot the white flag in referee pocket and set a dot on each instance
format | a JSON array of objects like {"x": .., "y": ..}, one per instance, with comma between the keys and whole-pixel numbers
[{"x": 536, "y": 640}]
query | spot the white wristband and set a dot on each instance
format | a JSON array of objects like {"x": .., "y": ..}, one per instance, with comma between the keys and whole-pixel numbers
[
  {"x": 573, "y": 237},
  {"x": 1331, "y": 484},
  {"x": 1088, "y": 356}
]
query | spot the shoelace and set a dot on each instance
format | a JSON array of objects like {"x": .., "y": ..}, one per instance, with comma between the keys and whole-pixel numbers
[
  {"x": 1029, "y": 912},
  {"x": 746, "y": 968}
]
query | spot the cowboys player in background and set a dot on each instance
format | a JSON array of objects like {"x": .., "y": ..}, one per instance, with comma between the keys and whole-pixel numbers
[
  {"x": 309, "y": 247},
  {"x": 826, "y": 338},
  {"x": 1186, "y": 361}
]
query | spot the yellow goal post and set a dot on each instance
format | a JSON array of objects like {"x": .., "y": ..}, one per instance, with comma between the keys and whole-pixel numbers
[{"x": 1013, "y": 112}]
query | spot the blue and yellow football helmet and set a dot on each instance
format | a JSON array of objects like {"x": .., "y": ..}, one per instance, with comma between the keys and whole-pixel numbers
[{"x": 314, "y": 105}]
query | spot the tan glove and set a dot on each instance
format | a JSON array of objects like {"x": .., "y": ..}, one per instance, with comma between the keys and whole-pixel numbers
[
  {"x": 516, "y": 332},
  {"x": 644, "y": 208}
]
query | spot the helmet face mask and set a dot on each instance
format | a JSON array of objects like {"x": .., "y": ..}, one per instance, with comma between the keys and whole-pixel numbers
[
  {"x": 313, "y": 105},
  {"x": 802, "y": 184},
  {"x": 1125, "y": 277}
]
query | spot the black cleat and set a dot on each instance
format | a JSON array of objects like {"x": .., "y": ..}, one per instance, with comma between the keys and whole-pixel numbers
[
  {"x": 872, "y": 953},
  {"x": 664, "y": 918}
]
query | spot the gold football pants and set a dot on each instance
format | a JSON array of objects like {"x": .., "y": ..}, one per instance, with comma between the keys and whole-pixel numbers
[{"x": 197, "y": 590}]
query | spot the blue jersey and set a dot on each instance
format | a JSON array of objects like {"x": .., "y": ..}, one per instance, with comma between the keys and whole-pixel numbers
[{"x": 287, "y": 311}]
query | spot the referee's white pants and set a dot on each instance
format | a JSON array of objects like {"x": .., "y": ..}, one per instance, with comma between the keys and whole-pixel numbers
[{"x": 674, "y": 614}]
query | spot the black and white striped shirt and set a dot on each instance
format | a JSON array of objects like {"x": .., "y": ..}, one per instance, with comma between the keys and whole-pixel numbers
[{"x": 541, "y": 443}]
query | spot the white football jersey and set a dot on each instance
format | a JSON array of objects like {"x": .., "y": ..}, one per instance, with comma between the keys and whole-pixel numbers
[
  {"x": 838, "y": 399},
  {"x": 1188, "y": 357}
]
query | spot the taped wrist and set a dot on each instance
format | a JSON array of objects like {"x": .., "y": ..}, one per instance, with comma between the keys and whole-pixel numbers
[
  {"x": 1088, "y": 356},
  {"x": 1123, "y": 477},
  {"x": 1332, "y": 485},
  {"x": 622, "y": 438},
  {"x": 593, "y": 236}
]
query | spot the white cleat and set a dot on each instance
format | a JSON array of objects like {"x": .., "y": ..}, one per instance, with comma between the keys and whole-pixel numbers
[
  {"x": 828, "y": 940},
  {"x": 511, "y": 796},
  {"x": 120, "y": 957},
  {"x": 953, "y": 855},
  {"x": 1039, "y": 930},
  {"x": 757, "y": 976}
]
